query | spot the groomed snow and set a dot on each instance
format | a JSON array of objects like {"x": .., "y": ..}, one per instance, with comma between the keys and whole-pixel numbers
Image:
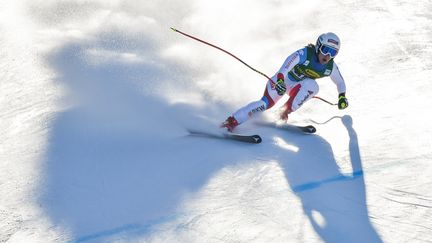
[{"x": 96, "y": 97}]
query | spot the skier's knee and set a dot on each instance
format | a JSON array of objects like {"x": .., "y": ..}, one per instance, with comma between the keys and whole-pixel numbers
[
  {"x": 307, "y": 91},
  {"x": 311, "y": 85},
  {"x": 268, "y": 102}
]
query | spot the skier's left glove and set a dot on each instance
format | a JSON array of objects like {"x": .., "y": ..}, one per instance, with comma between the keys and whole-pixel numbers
[
  {"x": 343, "y": 101},
  {"x": 280, "y": 84}
]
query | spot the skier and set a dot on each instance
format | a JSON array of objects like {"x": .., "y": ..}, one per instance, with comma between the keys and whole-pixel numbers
[{"x": 297, "y": 77}]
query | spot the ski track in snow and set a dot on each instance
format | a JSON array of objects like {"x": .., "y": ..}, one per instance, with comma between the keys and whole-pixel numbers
[{"x": 96, "y": 97}]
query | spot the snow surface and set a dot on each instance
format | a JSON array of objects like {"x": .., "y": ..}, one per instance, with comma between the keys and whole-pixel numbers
[{"x": 96, "y": 96}]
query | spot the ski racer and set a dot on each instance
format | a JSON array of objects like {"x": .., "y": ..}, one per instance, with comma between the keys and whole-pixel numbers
[{"x": 297, "y": 78}]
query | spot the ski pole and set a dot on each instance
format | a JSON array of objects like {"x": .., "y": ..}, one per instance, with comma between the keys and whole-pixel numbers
[
  {"x": 326, "y": 101},
  {"x": 247, "y": 65}
]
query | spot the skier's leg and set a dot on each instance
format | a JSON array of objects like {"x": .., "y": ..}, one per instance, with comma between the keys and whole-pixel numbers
[
  {"x": 299, "y": 93},
  {"x": 269, "y": 98},
  {"x": 244, "y": 113}
]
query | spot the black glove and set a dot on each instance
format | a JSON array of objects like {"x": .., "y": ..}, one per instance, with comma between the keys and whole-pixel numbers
[
  {"x": 343, "y": 101},
  {"x": 280, "y": 86}
]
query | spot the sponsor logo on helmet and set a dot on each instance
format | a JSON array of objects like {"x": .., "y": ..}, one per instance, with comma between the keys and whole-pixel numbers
[{"x": 333, "y": 41}]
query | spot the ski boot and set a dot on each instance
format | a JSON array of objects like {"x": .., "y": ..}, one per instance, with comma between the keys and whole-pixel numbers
[
  {"x": 230, "y": 123},
  {"x": 284, "y": 114}
]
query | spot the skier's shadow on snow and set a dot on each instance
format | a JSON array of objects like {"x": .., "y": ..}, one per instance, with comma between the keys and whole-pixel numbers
[
  {"x": 114, "y": 162},
  {"x": 335, "y": 203}
]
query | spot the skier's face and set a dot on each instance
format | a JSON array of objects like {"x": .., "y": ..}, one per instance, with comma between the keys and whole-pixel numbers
[{"x": 323, "y": 59}]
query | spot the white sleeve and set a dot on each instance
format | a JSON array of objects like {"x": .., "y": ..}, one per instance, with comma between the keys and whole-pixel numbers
[
  {"x": 337, "y": 78},
  {"x": 289, "y": 63}
]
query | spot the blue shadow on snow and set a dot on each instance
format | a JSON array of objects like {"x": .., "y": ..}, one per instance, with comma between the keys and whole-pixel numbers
[
  {"x": 114, "y": 163},
  {"x": 335, "y": 203}
]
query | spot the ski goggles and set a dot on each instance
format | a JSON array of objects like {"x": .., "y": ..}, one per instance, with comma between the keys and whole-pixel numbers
[{"x": 327, "y": 50}]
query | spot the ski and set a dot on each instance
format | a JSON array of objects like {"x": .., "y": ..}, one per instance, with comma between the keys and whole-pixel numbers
[
  {"x": 305, "y": 129},
  {"x": 289, "y": 127},
  {"x": 226, "y": 135},
  {"x": 243, "y": 138}
]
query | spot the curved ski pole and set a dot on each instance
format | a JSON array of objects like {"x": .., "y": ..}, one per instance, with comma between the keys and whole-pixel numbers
[
  {"x": 324, "y": 100},
  {"x": 247, "y": 65}
]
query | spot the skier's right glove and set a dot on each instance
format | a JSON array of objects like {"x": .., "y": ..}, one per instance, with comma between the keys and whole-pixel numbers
[
  {"x": 280, "y": 84},
  {"x": 343, "y": 101}
]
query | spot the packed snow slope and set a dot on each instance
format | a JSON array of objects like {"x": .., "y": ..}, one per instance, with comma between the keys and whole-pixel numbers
[{"x": 96, "y": 98}]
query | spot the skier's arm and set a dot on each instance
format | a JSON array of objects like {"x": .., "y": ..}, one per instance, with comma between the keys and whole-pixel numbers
[
  {"x": 279, "y": 77},
  {"x": 337, "y": 78},
  {"x": 289, "y": 63}
]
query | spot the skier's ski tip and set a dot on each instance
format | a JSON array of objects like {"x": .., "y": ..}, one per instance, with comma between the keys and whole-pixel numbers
[
  {"x": 244, "y": 138},
  {"x": 308, "y": 129},
  {"x": 226, "y": 135}
]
